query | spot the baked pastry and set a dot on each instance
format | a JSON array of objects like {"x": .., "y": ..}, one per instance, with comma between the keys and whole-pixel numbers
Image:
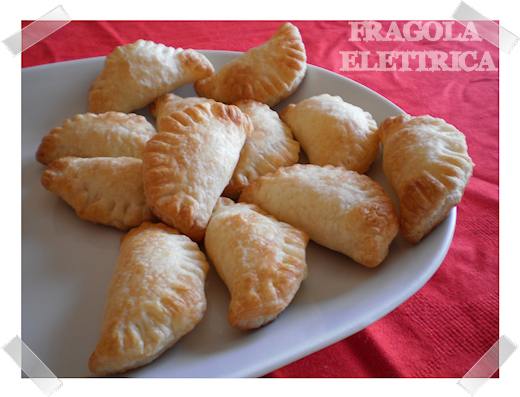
[
  {"x": 110, "y": 134},
  {"x": 267, "y": 73},
  {"x": 135, "y": 74},
  {"x": 105, "y": 190},
  {"x": 261, "y": 261},
  {"x": 334, "y": 132},
  {"x": 169, "y": 103},
  {"x": 156, "y": 296},
  {"x": 188, "y": 164},
  {"x": 270, "y": 146},
  {"x": 427, "y": 164},
  {"x": 340, "y": 209}
]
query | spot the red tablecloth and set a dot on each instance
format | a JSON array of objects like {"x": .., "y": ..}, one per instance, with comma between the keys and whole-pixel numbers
[{"x": 452, "y": 321}]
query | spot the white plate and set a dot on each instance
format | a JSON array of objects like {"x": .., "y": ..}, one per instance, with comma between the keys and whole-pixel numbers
[{"x": 67, "y": 263}]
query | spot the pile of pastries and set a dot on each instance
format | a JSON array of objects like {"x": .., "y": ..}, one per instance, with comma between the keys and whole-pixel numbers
[{"x": 218, "y": 175}]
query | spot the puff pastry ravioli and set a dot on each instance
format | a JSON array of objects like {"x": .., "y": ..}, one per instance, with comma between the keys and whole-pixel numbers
[
  {"x": 168, "y": 103},
  {"x": 110, "y": 134},
  {"x": 105, "y": 190},
  {"x": 334, "y": 132},
  {"x": 187, "y": 165},
  {"x": 270, "y": 146},
  {"x": 261, "y": 261},
  {"x": 135, "y": 74},
  {"x": 156, "y": 296},
  {"x": 267, "y": 73},
  {"x": 340, "y": 209},
  {"x": 427, "y": 164}
]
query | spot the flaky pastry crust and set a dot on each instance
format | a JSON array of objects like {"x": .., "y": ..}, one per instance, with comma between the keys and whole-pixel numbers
[
  {"x": 427, "y": 164},
  {"x": 270, "y": 146},
  {"x": 267, "y": 73},
  {"x": 340, "y": 209},
  {"x": 110, "y": 134},
  {"x": 190, "y": 162},
  {"x": 135, "y": 74},
  {"x": 334, "y": 132},
  {"x": 168, "y": 103},
  {"x": 261, "y": 261},
  {"x": 156, "y": 296},
  {"x": 105, "y": 190}
]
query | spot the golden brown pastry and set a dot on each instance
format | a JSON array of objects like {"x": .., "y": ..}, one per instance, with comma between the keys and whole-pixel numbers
[
  {"x": 156, "y": 296},
  {"x": 188, "y": 164},
  {"x": 270, "y": 146},
  {"x": 339, "y": 209},
  {"x": 105, "y": 190},
  {"x": 110, "y": 134},
  {"x": 169, "y": 103},
  {"x": 427, "y": 164},
  {"x": 261, "y": 261},
  {"x": 135, "y": 74},
  {"x": 267, "y": 73},
  {"x": 334, "y": 132}
]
